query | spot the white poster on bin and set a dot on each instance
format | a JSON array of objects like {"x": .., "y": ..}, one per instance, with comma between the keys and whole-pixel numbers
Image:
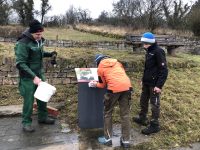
[{"x": 86, "y": 74}]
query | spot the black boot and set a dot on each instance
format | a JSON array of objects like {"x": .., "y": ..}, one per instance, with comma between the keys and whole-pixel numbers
[
  {"x": 141, "y": 120},
  {"x": 48, "y": 120},
  {"x": 28, "y": 128},
  {"x": 154, "y": 127},
  {"x": 124, "y": 144}
]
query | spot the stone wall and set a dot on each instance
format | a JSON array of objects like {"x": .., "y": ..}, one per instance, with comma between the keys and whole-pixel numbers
[
  {"x": 62, "y": 74},
  {"x": 111, "y": 45}
]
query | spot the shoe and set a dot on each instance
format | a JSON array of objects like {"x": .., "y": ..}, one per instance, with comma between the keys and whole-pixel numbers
[
  {"x": 124, "y": 144},
  {"x": 104, "y": 141},
  {"x": 154, "y": 127},
  {"x": 28, "y": 128},
  {"x": 47, "y": 121},
  {"x": 141, "y": 120}
]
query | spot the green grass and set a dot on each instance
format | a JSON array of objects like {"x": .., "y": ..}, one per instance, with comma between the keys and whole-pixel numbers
[
  {"x": 180, "y": 104},
  {"x": 70, "y": 34},
  {"x": 180, "y": 109},
  {"x": 64, "y": 33}
]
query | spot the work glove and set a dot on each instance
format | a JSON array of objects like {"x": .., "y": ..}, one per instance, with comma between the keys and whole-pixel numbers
[
  {"x": 53, "y": 61},
  {"x": 54, "y": 53},
  {"x": 53, "y": 58},
  {"x": 92, "y": 84}
]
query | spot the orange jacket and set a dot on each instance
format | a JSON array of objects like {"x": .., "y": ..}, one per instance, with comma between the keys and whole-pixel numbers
[{"x": 113, "y": 76}]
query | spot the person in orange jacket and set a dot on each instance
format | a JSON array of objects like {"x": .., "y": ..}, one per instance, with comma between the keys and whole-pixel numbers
[{"x": 113, "y": 76}]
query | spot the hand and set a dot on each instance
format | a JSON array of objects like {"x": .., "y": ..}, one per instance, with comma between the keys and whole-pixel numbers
[
  {"x": 53, "y": 58},
  {"x": 92, "y": 84},
  {"x": 36, "y": 80},
  {"x": 157, "y": 90},
  {"x": 54, "y": 53},
  {"x": 140, "y": 82}
]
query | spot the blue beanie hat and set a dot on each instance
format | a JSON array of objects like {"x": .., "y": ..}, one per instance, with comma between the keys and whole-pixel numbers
[
  {"x": 98, "y": 57},
  {"x": 148, "y": 37}
]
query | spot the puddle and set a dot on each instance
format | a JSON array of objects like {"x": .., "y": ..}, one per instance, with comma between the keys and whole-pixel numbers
[{"x": 58, "y": 136}]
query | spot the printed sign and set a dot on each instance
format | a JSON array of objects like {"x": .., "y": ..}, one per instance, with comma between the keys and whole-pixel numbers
[{"x": 86, "y": 74}]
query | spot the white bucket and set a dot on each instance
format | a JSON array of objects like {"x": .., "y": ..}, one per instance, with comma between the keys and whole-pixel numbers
[{"x": 44, "y": 91}]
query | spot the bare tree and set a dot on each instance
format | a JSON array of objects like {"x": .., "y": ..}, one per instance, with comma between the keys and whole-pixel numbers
[
  {"x": 175, "y": 17},
  {"x": 194, "y": 16},
  {"x": 5, "y": 10},
  {"x": 24, "y": 9},
  {"x": 103, "y": 18},
  {"x": 145, "y": 13},
  {"x": 83, "y": 16},
  {"x": 71, "y": 16},
  {"x": 152, "y": 13},
  {"x": 54, "y": 21},
  {"x": 29, "y": 10},
  {"x": 127, "y": 10},
  {"x": 19, "y": 7},
  {"x": 45, "y": 7}
]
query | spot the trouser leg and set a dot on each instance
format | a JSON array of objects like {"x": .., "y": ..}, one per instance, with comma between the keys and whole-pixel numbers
[
  {"x": 27, "y": 90},
  {"x": 124, "y": 104},
  {"x": 144, "y": 101},
  {"x": 42, "y": 106},
  {"x": 110, "y": 100},
  {"x": 155, "y": 104},
  {"x": 42, "y": 110}
]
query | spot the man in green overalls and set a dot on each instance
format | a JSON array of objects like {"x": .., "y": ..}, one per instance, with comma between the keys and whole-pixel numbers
[{"x": 29, "y": 61}]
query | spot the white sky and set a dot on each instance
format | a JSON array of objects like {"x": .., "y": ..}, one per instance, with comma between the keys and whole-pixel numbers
[{"x": 94, "y": 6}]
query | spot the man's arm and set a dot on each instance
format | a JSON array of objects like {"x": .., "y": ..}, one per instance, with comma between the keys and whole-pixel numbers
[
  {"x": 22, "y": 56},
  {"x": 49, "y": 54},
  {"x": 102, "y": 82},
  {"x": 162, "y": 68}
]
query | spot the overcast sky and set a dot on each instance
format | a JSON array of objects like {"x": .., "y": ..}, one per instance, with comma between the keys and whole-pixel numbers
[{"x": 94, "y": 6}]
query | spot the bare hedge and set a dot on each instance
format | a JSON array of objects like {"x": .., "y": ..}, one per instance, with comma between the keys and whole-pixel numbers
[{"x": 11, "y": 31}]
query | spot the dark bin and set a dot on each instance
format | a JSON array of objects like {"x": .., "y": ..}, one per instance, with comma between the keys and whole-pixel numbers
[{"x": 90, "y": 106}]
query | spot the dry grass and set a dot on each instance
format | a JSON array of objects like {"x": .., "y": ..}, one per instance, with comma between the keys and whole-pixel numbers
[
  {"x": 125, "y": 30},
  {"x": 12, "y": 27},
  {"x": 103, "y": 33},
  {"x": 70, "y": 34},
  {"x": 104, "y": 29},
  {"x": 7, "y": 49},
  {"x": 166, "y": 31},
  {"x": 64, "y": 33},
  {"x": 11, "y": 31}
]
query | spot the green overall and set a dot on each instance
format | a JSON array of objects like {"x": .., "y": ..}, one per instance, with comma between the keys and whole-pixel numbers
[{"x": 29, "y": 54}]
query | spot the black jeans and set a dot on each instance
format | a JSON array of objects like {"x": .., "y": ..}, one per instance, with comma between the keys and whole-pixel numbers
[{"x": 146, "y": 95}]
